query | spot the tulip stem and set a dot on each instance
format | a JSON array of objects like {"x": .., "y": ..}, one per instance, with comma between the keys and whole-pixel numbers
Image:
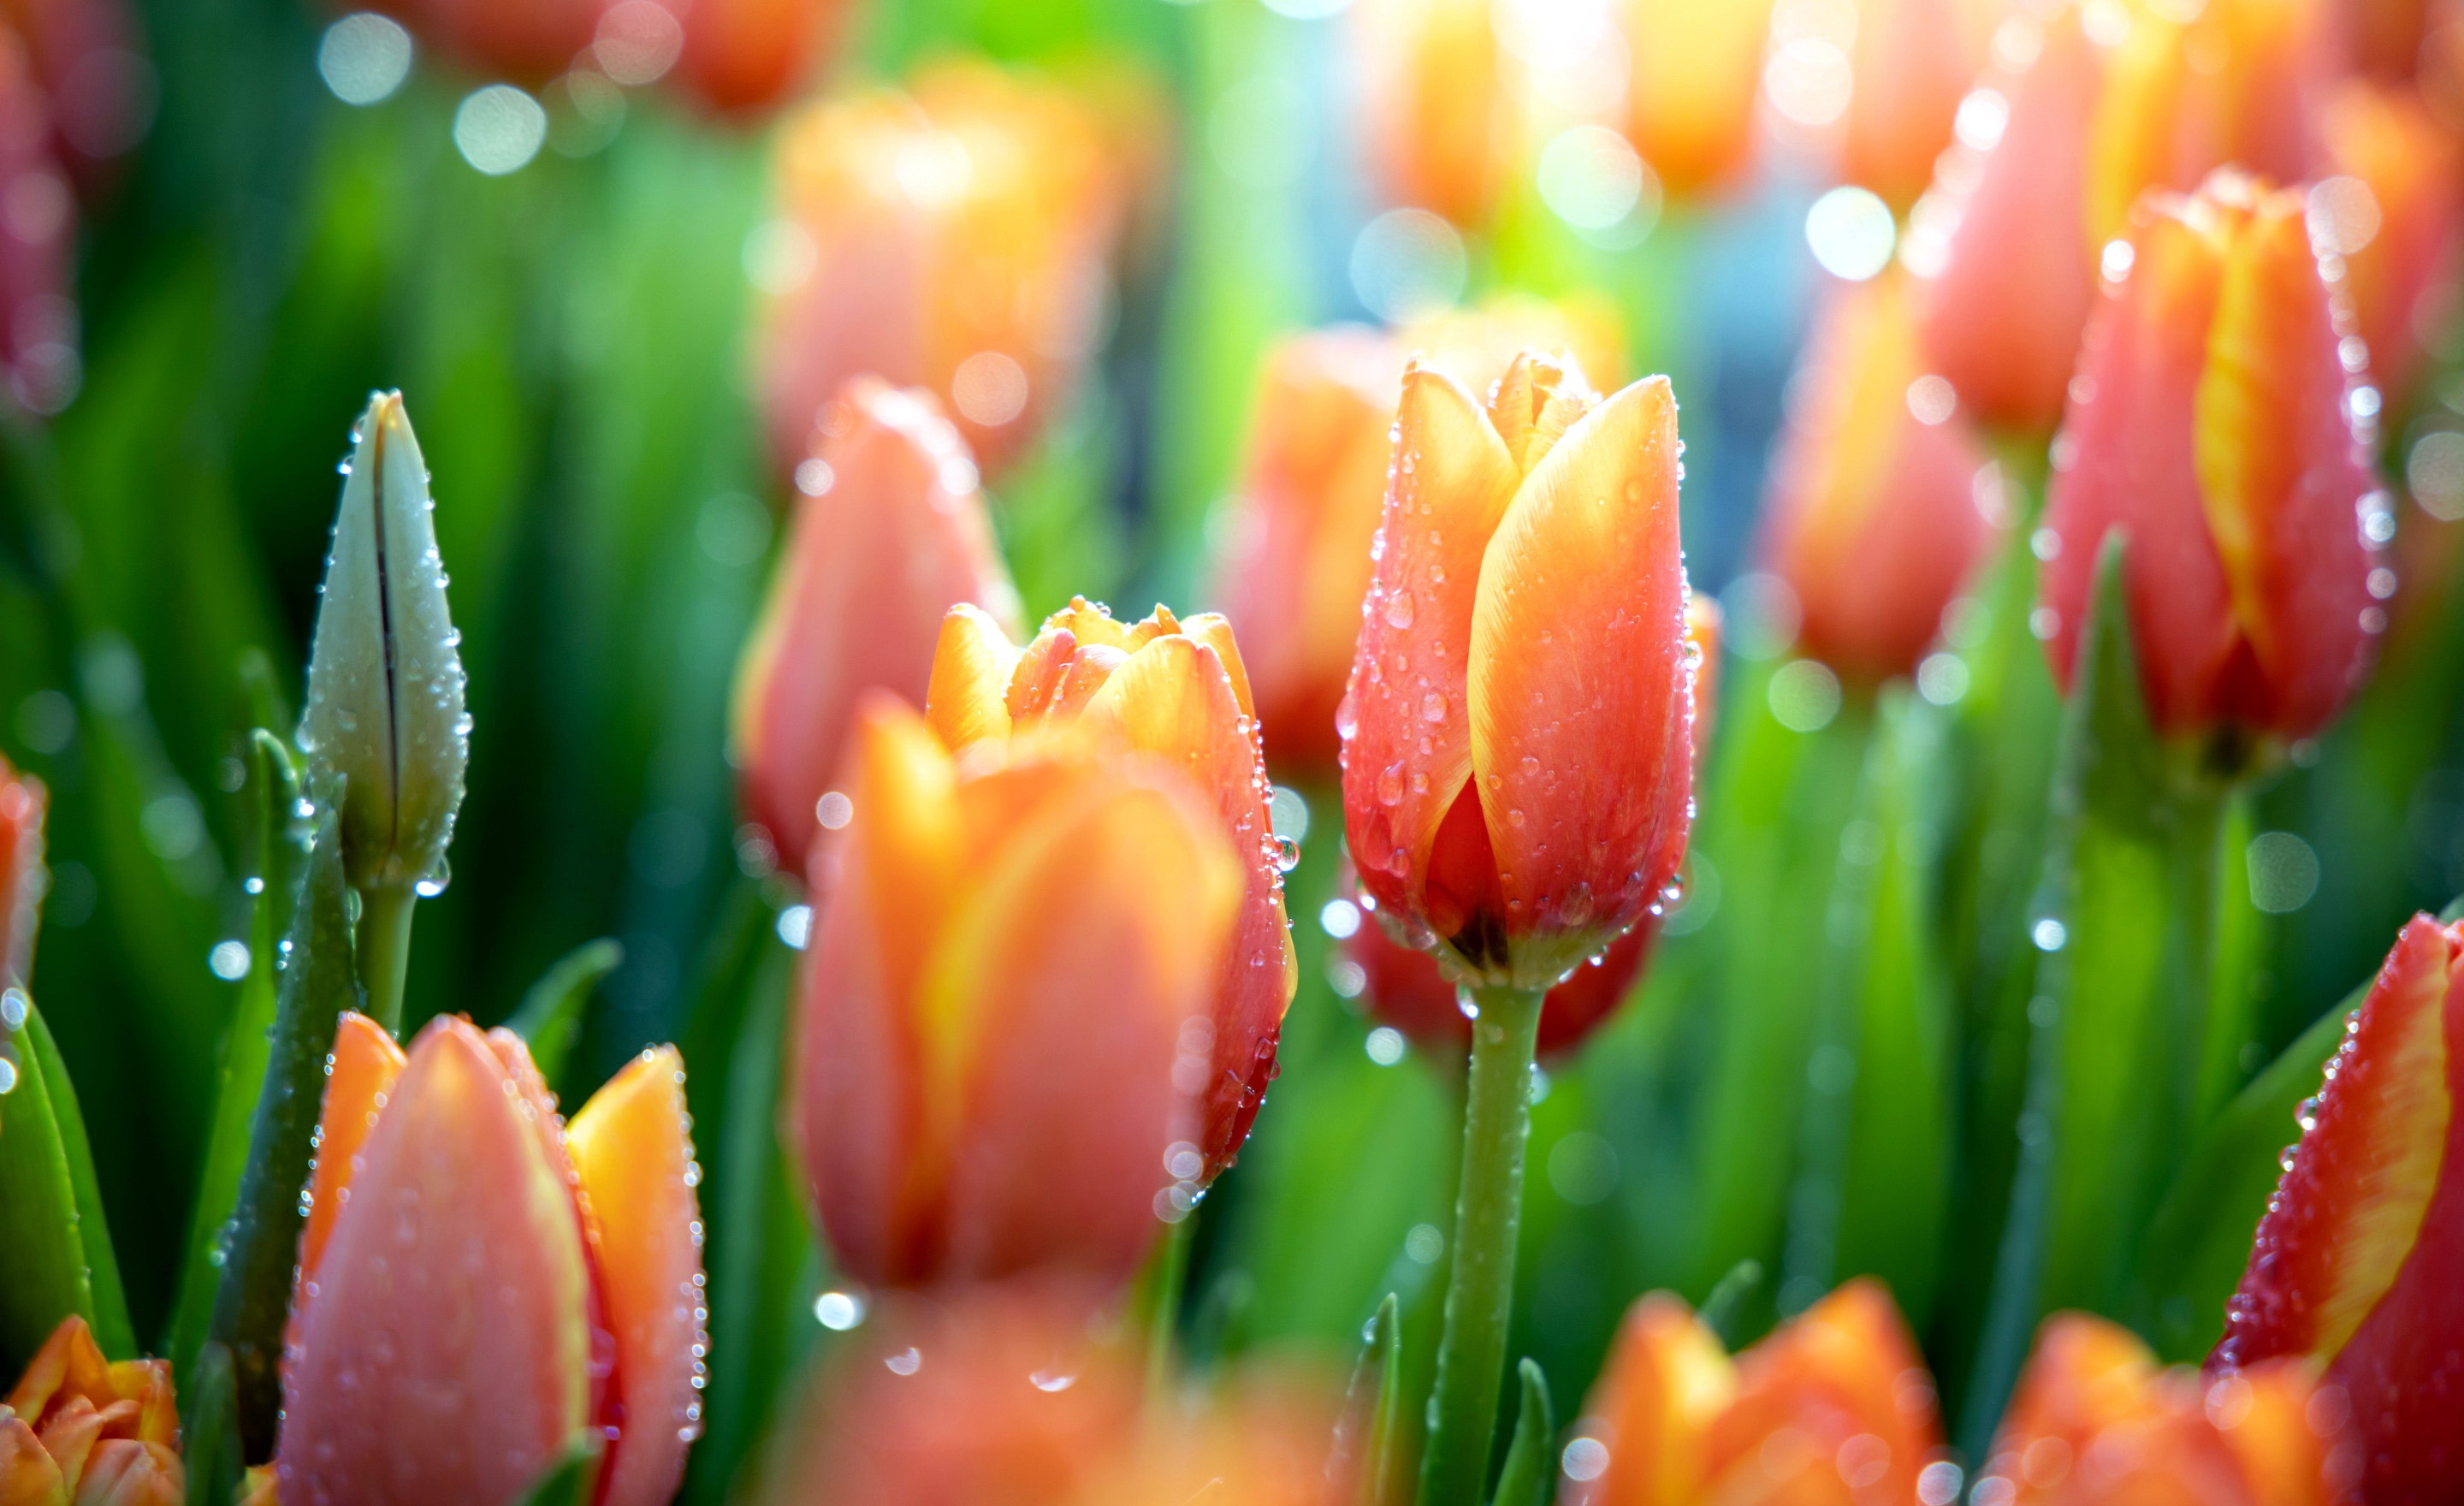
[
  {"x": 1488, "y": 1215},
  {"x": 1157, "y": 1300},
  {"x": 383, "y": 948}
]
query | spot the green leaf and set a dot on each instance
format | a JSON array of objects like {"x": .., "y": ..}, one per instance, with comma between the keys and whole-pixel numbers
[
  {"x": 1719, "y": 1311},
  {"x": 55, "y": 1255},
  {"x": 319, "y": 982},
  {"x": 1369, "y": 1442},
  {"x": 1531, "y": 1458},
  {"x": 209, "y": 1429},
  {"x": 550, "y": 1016},
  {"x": 572, "y": 1479}
]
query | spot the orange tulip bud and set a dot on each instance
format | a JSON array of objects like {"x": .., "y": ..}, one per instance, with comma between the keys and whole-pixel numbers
[
  {"x": 1018, "y": 955},
  {"x": 39, "y": 363},
  {"x": 1315, "y": 482},
  {"x": 2001, "y": 241},
  {"x": 2094, "y": 1419},
  {"x": 476, "y": 1289},
  {"x": 2215, "y": 422},
  {"x": 80, "y": 1431},
  {"x": 2395, "y": 212},
  {"x": 1696, "y": 68},
  {"x": 956, "y": 236},
  {"x": 1517, "y": 779},
  {"x": 1914, "y": 63},
  {"x": 1873, "y": 519},
  {"x": 890, "y": 534},
  {"x": 1833, "y": 1406},
  {"x": 2359, "y": 1262},
  {"x": 1440, "y": 125},
  {"x": 1175, "y": 691},
  {"x": 21, "y": 872}
]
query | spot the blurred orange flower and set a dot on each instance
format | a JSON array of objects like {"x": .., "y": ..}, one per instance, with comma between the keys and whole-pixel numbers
[
  {"x": 890, "y": 533},
  {"x": 1441, "y": 126},
  {"x": 479, "y": 1287},
  {"x": 1014, "y": 969},
  {"x": 1914, "y": 63},
  {"x": 80, "y": 1431},
  {"x": 529, "y": 41},
  {"x": 2395, "y": 212},
  {"x": 745, "y": 56},
  {"x": 1695, "y": 71}
]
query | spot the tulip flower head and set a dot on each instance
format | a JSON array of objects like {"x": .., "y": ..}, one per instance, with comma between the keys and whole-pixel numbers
[
  {"x": 1517, "y": 773},
  {"x": 1006, "y": 1013},
  {"x": 1874, "y": 519},
  {"x": 1835, "y": 1406},
  {"x": 1696, "y": 70},
  {"x": 1914, "y": 63},
  {"x": 21, "y": 872},
  {"x": 529, "y": 41},
  {"x": 480, "y": 1290},
  {"x": 1441, "y": 122},
  {"x": 39, "y": 364},
  {"x": 2359, "y": 1263},
  {"x": 81, "y": 1430},
  {"x": 890, "y": 533},
  {"x": 2217, "y": 425},
  {"x": 2096, "y": 1420},
  {"x": 740, "y": 57},
  {"x": 2394, "y": 211},
  {"x": 1175, "y": 691}
]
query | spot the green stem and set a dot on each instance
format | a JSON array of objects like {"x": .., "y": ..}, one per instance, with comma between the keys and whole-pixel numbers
[
  {"x": 1159, "y": 1300},
  {"x": 1488, "y": 1212},
  {"x": 384, "y": 951}
]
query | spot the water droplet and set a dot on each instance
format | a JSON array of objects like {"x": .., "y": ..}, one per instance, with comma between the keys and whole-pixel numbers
[
  {"x": 1399, "y": 609},
  {"x": 1390, "y": 783},
  {"x": 1288, "y": 854},
  {"x": 1433, "y": 706}
]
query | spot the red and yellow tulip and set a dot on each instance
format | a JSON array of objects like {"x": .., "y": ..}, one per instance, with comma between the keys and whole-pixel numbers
[
  {"x": 1873, "y": 518},
  {"x": 480, "y": 1287},
  {"x": 21, "y": 872},
  {"x": 80, "y": 1431},
  {"x": 2395, "y": 212},
  {"x": 1174, "y": 691},
  {"x": 1017, "y": 952},
  {"x": 890, "y": 533},
  {"x": 2216, "y": 423},
  {"x": 2359, "y": 1264},
  {"x": 1517, "y": 770}
]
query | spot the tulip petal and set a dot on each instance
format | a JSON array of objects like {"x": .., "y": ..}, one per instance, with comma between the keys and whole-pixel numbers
[
  {"x": 1668, "y": 1379},
  {"x": 1844, "y": 1369},
  {"x": 29, "y": 1476},
  {"x": 444, "y": 1353},
  {"x": 633, "y": 1150},
  {"x": 1451, "y": 479},
  {"x": 365, "y": 1061},
  {"x": 1214, "y": 630},
  {"x": 967, "y": 699},
  {"x": 1581, "y": 707}
]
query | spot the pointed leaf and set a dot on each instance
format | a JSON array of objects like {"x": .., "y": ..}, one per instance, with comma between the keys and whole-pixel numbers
[
  {"x": 1361, "y": 1432},
  {"x": 209, "y": 1429},
  {"x": 55, "y": 1255},
  {"x": 1531, "y": 1458},
  {"x": 550, "y": 1016}
]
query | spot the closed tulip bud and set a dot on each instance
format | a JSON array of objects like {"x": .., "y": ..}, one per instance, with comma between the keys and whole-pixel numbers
[
  {"x": 2001, "y": 241},
  {"x": 1175, "y": 691},
  {"x": 1014, "y": 972},
  {"x": 1518, "y": 782},
  {"x": 21, "y": 872},
  {"x": 1835, "y": 1406},
  {"x": 1695, "y": 72},
  {"x": 2395, "y": 214},
  {"x": 958, "y": 236},
  {"x": 1440, "y": 125},
  {"x": 2096, "y": 1420},
  {"x": 80, "y": 1431},
  {"x": 384, "y": 672},
  {"x": 890, "y": 533},
  {"x": 1914, "y": 63},
  {"x": 2359, "y": 1262},
  {"x": 741, "y": 56},
  {"x": 1873, "y": 519},
  {"x": 38, "y": 360},
  {"x": 480, "y": 1290},
  {"x": 2215, "y": 423}
]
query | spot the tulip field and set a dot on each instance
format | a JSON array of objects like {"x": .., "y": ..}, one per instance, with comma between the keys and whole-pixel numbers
[{"x": 1232, "y": 752}]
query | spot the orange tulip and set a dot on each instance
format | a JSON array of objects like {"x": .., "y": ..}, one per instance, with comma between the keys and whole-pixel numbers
[
  {"x": 1517, "y": 786},
  {"x": 21, "y": 872},
  {"x": 80, "y": 1431},
  {"x": 1316, "y": 480},
  {"x": 2094, "y": 1419},
  {"x": 1018, "y": 953},
  {"x": 2395, "y": 212},
  {"x": 2215, "y": 421},
  {"x": 2001, "y": 241},
  {"x": 1914, "y": 63},
  {"x": 529, "y": 41},
  {"x": 2359, "y": 1264},
  {"x": 1440, "y": 125},
  {"x": 1175, "y": 691},
  {"x": 38, "y": 361},
  {"x": 956, "y": 236},
  {"x": 745, "y": 56},
  {"x": 1873, "y": 518},
  {"x": 890, "y": 534},
  {"x": 480, "y": 1288},
  {"x": 1835, "y": 1406},
  {"x": 1696, "y": 70}
]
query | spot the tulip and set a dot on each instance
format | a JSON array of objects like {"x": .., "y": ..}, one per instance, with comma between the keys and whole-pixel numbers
[
  {"x": 529, "y": 41},
  {"x": 1175, "y": 691},
  {"x": 80, "y": 1431},
  {"x": 2096, "y": 1420},
  {"x": 1873, "y": 519},
  {"x": 1017, "y": 955},
  {"x": 1696, "y": 70},
  {"x": 1314, "y": 483},
  {"x": 2357, "y": 1262},
  {"x": 2214, "y": 423},
  {"x": 2001, "y": 241},
  {"x": 1835, "y": 1406},
  {"x": 39, "y": 363},
  {"x": 958, "y": 236},
  {"x": 1914, "y": 61},
  {"x": 2395, "y": 214},
  {"x": 1441, "y": 126},
  {"x": 740, "y": 57},
  {"x": 481, "y": 1290},
  {"x": 21, "y": 872},
  {"x": 88, "y": 61},
  {"x": 889, "y": 532}
]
